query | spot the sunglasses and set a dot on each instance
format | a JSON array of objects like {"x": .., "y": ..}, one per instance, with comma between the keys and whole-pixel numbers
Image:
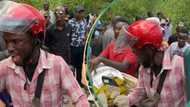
[{"x": 59, "y": 12}]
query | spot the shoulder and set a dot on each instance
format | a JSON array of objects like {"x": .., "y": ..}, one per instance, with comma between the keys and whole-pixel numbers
[
  {"x": 71, "y": 21},
  {"x": 55, "y": 61},
  {"x": 187, "y": 44},
  {"x": 130, "y": 55},
  {"x": 68, "y": 26},
  {"x": 110, "y": 45},
  {"x": 51, "y": 28},
  {"x": 129, "y": 51},
  {"x": 143, "y": 72},
  {"x": 4, "y": 64},
  {"x": 174, "y": 44}
]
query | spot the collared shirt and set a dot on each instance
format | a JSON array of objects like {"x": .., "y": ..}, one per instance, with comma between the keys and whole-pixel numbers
[
  {"x": 58, "y": 79},
  {"x": 123, "y": 54},
  {"x": 78, "y": 32},
  {"x": 173, "y": 90},
  {"x": 59, "y": 41}
]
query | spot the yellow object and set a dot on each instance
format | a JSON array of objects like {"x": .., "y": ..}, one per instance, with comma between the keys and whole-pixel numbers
[
  {"x": 84, "y": 80},
  {"x": 122, "y": 87}
]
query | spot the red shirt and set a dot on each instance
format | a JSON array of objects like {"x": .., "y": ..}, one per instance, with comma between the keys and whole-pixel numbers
[{"x": 123, "y": 54}]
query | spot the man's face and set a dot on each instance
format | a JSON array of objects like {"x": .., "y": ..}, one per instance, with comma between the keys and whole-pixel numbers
[
  {"x": 145, "y": 55},
  {"x": 19, "y": 47},
  {"x": 182, "y": 38},
  {"x": 66, "y": 8},
  {"x": 80, "y": 14},
  {"x": 117, "y": 28},
  {"x": 60, "y": 15},
  {"x": 158, "y": 57},
  {"x": 116, "y": 31}
]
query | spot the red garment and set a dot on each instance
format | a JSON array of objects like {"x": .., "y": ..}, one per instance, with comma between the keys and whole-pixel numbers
[{"x": 123, "y": 54}]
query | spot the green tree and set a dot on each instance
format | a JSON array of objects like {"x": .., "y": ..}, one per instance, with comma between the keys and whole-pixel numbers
[{"x": 176, "y": 10}]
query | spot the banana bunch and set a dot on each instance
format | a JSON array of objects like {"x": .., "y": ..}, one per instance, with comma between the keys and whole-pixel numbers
[{"x": 114, "y": 86}]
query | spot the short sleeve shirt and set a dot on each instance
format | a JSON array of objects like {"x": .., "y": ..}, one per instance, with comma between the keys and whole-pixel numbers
[{"x": 124, "y": 54}]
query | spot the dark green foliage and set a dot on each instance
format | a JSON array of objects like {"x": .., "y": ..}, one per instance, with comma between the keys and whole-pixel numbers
[{"x": 176, "y": 10}]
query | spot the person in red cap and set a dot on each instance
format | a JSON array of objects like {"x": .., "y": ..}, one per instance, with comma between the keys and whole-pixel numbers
[
  {"x": 161, "y": 80},
  {"x": 32, "y": 76}
]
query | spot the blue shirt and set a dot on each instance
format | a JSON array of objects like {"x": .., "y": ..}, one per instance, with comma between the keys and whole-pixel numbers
[{"x": 78, "y": 32}]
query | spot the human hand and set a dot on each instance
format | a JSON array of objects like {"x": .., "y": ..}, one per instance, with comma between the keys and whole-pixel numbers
[
  {"x": 121, "y": 101},
  {"x": 151, "y": 101},
  {"x": 2, "y": 104},
  {"x": 95, "y": 62}
]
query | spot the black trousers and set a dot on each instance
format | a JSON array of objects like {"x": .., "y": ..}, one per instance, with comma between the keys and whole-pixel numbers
[{"x": 76, "y": 61}]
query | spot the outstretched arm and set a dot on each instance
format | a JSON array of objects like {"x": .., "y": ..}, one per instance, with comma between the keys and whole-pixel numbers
[{"x": 121, "y": 66}]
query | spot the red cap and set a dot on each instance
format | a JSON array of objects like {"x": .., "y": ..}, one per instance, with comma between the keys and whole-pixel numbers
[
  {"x": 19, "y": 17},
  {"x": 146, "y": 32}
]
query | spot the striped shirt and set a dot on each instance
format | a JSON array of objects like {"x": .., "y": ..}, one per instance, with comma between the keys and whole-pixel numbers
[
  {"x": 173, "y": 91},
  {"x": 58, "y": 79}
]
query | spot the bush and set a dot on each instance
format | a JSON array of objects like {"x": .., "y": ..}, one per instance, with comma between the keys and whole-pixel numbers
[{"x": 176, "y": 10}]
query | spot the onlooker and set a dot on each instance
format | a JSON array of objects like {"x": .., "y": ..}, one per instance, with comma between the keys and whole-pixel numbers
[
  {"x": 79, "y": 27},
  {"x": 96, "y": 39},
  {"x": 50, "y": 13},
  {"x": 167, "y": 28},
  {"x": 110, "y": 32},
  {"x": 166, "y": 24},
  {"x": 118, "y": 53},
  {"x": 69, "y": 14},
  {"x": 178, "y": 47},
  {"x": 48, "y": 22},
  {"x": 180, "y": 26},
  {"x": 58, "y": 37}
]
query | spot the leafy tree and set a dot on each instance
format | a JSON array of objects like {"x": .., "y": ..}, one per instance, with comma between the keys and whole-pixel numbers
[{"x": 176, "y": 10}]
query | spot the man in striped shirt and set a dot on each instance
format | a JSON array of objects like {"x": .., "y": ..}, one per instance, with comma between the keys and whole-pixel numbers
[
  {"x": 20, "y": 72},
  {"x": 161, "y": 79}
]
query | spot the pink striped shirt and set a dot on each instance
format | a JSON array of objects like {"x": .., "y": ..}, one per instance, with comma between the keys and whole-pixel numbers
[
  {"x": 58, "y": 78},
  {"x": 173, "y": 91}
]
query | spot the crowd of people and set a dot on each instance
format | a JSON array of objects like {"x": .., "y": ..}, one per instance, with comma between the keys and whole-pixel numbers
[{"x": 41, "y": 55}]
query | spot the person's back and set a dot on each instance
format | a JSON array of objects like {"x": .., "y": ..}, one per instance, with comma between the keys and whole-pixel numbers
[
  {"x": 178, "y": 47},
  {"x": 46, "y": 10}
]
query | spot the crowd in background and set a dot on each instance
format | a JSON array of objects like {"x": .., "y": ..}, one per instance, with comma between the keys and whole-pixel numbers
[{"x": 67, "y": 31}]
